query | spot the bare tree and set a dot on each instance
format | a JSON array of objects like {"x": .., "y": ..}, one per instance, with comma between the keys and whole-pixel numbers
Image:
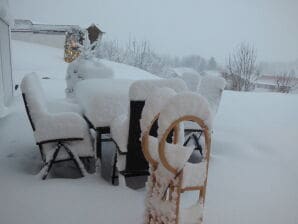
[
  {"x": 110, "y": 50},
  {"x": 241, "y": 69},
  {"x": 286, "y": 81}
]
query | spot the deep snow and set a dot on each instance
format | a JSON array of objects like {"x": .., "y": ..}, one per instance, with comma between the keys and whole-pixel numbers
[{"x": 253, "y": 174}]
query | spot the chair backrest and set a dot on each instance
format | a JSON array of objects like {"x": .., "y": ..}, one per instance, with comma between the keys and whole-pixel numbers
[
  {"x": 211, "y": 87},
  {"x": 192, "y": 80},
  {"x": 34, "y": 98},
  {"x": 187, "y": 106},
  {"x": 148, "y": 122},
  {"x": 138, "y": 93}
]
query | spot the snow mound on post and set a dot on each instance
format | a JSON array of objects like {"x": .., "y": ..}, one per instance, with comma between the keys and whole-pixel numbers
[
  {"x": 153, "y": 106},
  {"x": 211, "y": 87},
  {"x": 184, "y": 104},
  {"x": 141, "y": 89}
]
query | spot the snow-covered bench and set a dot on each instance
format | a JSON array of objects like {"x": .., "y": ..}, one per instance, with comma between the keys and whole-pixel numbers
[{"x": 57, "y": 125}]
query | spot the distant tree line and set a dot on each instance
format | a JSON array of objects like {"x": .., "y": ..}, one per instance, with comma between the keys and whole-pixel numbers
[
  {"x": 140, "y": 54},
  {"x": 241, "y": 70}
]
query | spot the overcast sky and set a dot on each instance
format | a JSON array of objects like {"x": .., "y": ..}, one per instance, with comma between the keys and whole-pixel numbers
[{"x": 180, "y": 27}]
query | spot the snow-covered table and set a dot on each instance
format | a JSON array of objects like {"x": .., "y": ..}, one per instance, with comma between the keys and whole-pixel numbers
[{"x": 102, "y": 100}]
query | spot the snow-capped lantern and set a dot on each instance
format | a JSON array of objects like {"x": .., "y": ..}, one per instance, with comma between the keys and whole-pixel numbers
[{"x": 73, "y": 38}]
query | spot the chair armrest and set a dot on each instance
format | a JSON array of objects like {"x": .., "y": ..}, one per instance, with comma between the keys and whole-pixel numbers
[
  {"x": 119, "y": 132},
  {"x": 60, "y": 126},
  {"x": 61, "y": 140}
]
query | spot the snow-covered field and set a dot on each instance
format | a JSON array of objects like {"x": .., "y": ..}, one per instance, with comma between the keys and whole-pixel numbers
[{"x": 253, "y": 174}]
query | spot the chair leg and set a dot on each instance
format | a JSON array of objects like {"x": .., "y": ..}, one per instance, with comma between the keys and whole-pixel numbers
[
  {"x": 49, "y": 164},
  {"x": 198, "y": 145},
  {"x": 76, "y": 160},
  {"x": 114, "y": 169}
]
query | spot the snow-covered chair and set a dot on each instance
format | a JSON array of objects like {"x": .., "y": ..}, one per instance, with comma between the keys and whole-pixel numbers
[
  {"x": 171, "y": 173},
  {"x": 125, "y": 130},
  {"x": 56, "y": 126},
  {"x": 210, "y": 87}
]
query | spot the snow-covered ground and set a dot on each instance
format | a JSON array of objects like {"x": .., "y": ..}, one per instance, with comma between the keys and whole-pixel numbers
[{"x": 253, "y": 174}]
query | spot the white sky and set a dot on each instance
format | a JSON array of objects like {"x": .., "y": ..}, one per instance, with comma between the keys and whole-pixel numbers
[{"x": 180, "y": 27}]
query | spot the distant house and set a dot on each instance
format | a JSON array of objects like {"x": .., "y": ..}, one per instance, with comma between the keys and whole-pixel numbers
[
  {"x": 270, "y": 82},
  {"x": 266, "y": 82},
  {"x": 94, "y": 33},
  {"x": 46, "y": 34},
  {"x": 6, "y": 81}
]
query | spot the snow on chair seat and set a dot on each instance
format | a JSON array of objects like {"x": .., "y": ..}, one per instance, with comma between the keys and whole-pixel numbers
[{"x": 55, "y": 131}]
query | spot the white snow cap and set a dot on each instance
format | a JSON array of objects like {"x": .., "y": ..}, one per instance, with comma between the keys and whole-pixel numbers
[
  {"x": 141, "y": 89},
  {"x": 211, "y": 87},
  {"x": 184, "y": 104},
  {"x": 153, "y": 105},
  {"x": 35, "y": 96}
]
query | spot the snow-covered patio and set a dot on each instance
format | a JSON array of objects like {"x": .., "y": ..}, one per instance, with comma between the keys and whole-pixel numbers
[{"x": 253, "y": 173}]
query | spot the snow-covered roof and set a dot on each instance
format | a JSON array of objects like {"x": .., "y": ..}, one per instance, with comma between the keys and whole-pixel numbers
[
  {"x": 21, "y": 25},
  {"x": 269, "y": 79}
]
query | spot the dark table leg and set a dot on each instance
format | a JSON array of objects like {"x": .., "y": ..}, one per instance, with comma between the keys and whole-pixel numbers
[
  {"x": 99, "y": 132},
  {"x": 98, "y": 144}
]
